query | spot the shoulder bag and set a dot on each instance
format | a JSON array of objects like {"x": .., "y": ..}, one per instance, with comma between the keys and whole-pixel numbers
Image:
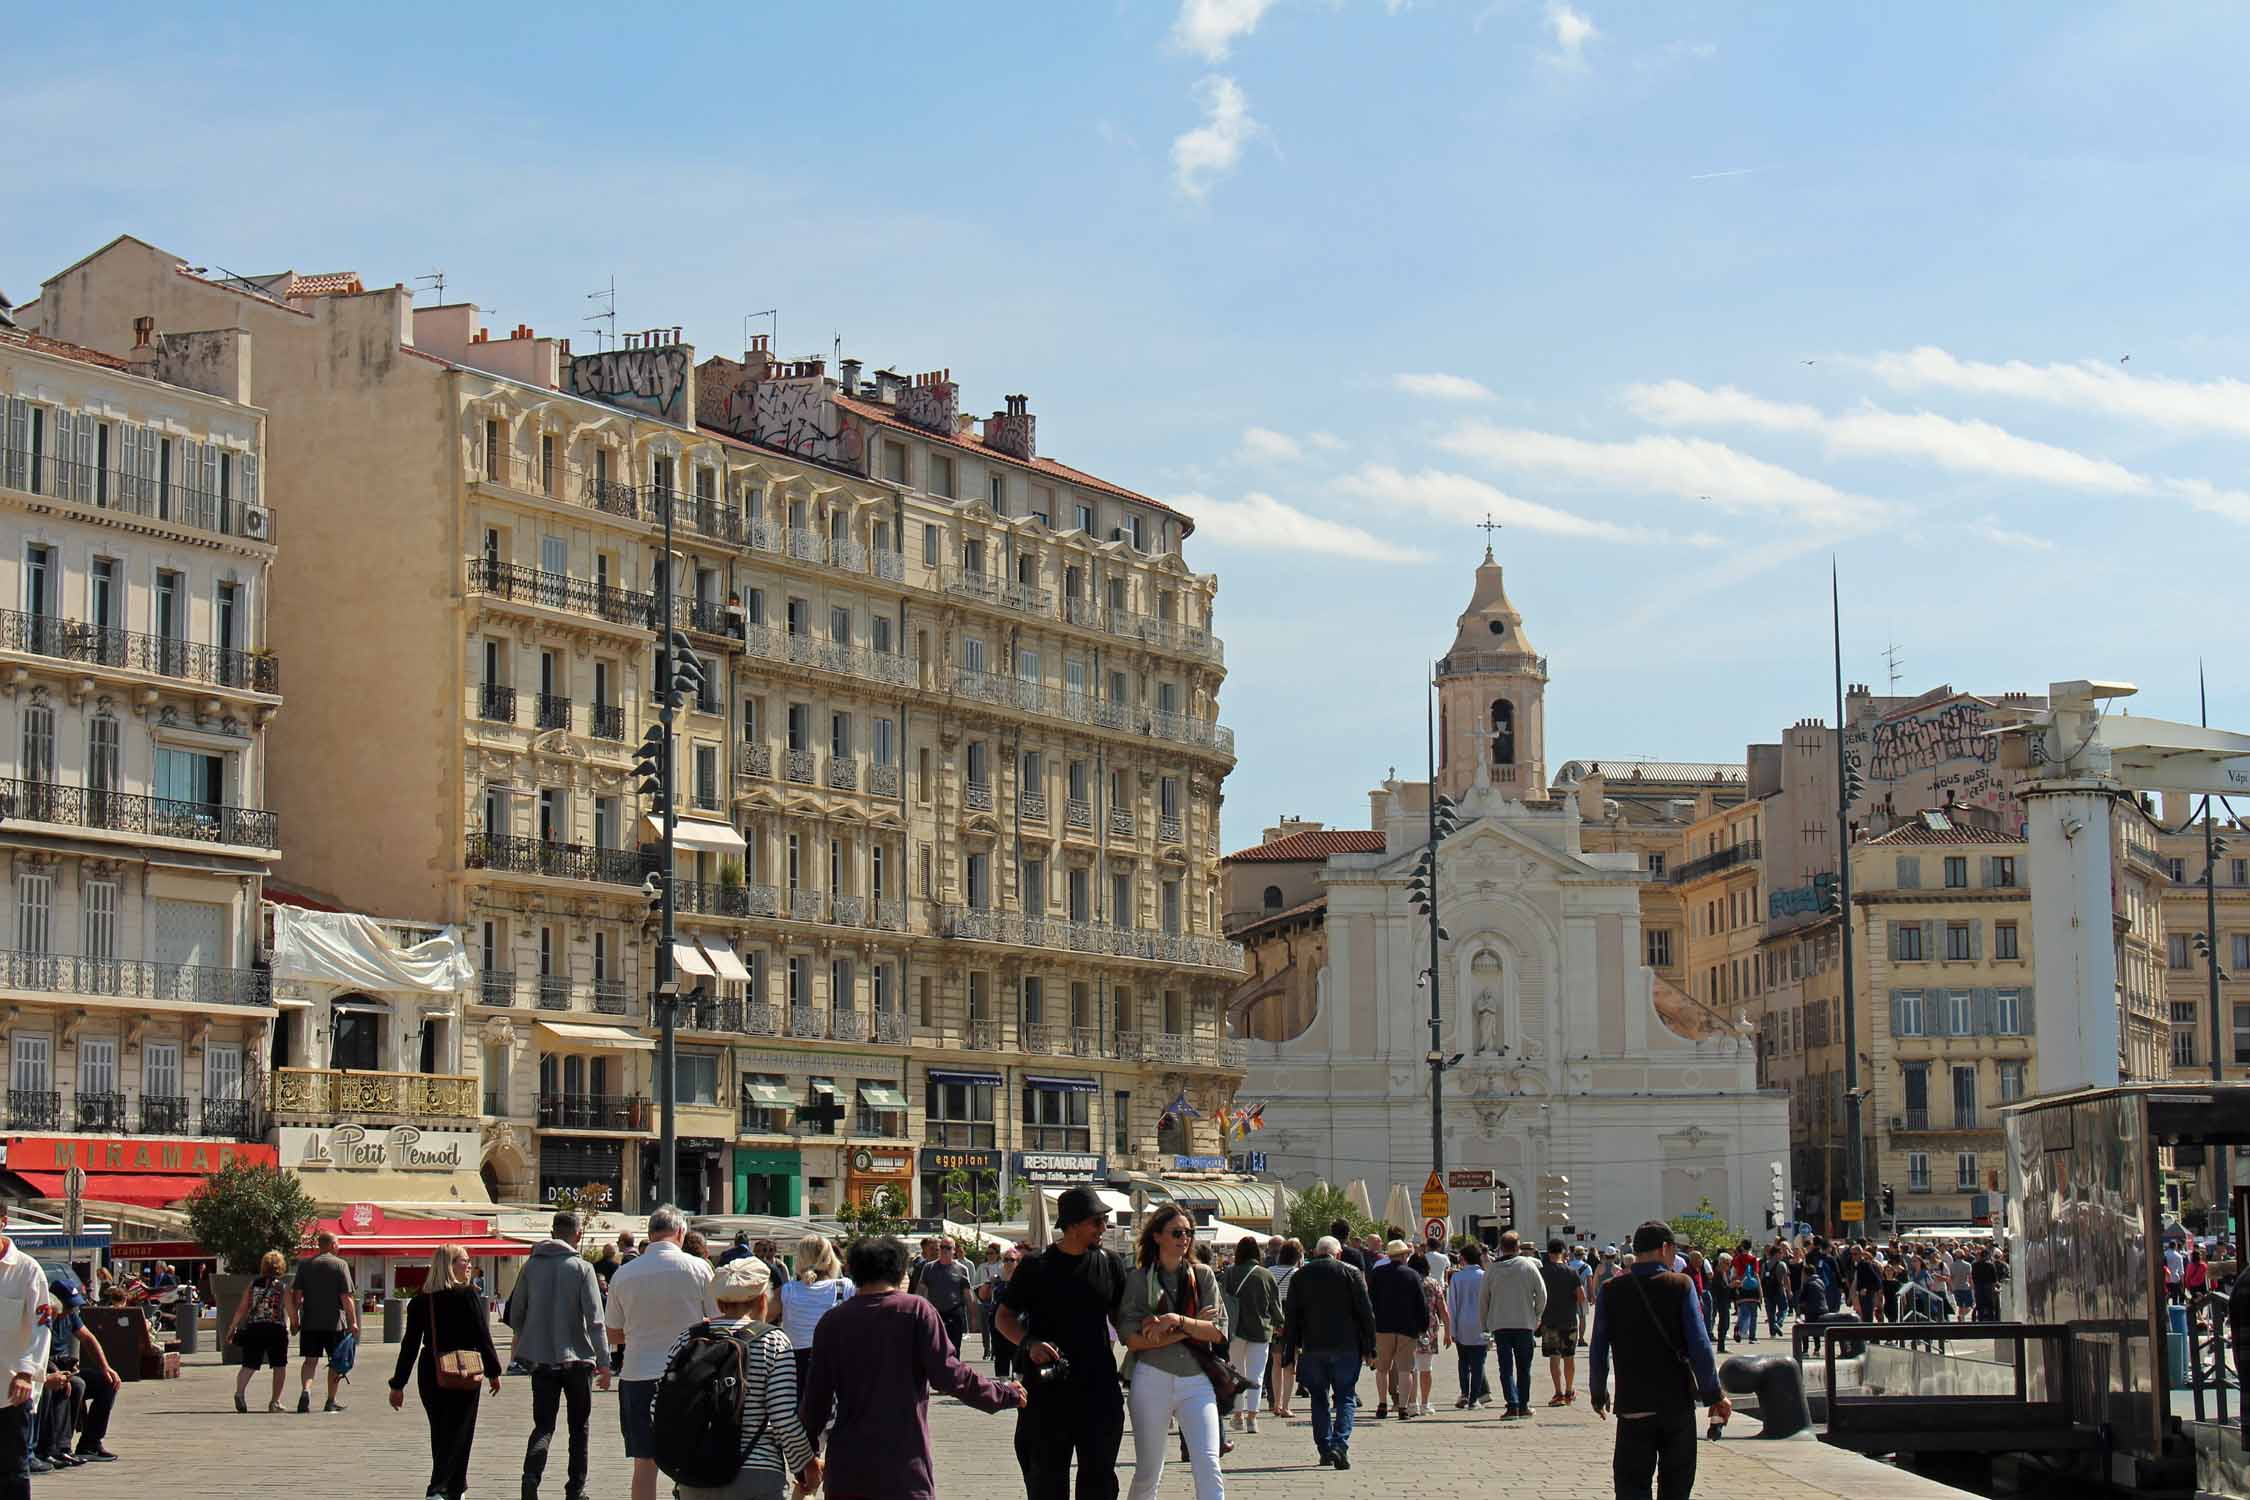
[
  {"x": 1227, "y": 1381},
  {"x": 457, "y": 1369},
  {"x": 1687, "y": 1371}
]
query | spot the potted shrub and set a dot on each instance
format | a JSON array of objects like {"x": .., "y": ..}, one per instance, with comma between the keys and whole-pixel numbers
[{"x": 238, "y": 1214}]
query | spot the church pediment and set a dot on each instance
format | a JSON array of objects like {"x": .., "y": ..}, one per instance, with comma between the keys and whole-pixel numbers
[{"x": 1488, "y": 853}]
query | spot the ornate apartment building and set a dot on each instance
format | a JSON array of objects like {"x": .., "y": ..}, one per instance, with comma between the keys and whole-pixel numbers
[
  {"x": 949, "y": 796},
  {"x": 137, "y": 547}
]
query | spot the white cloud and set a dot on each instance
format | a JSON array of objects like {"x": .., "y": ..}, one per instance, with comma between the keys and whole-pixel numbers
[
  {"x": 2221, "y": 405},
  {"x": 1326, "y": 442},
  {"x": 1208, "y": 28},
  {"x": 1437, "y": 387},
  {"x": 1259, "y": 520},
  {"x": 1572, "y": 31},
  {"x": 1264, "y": 445},
  {"x": 1468, "y": 500},
  {"x": 2001, "y": 536},
  {"x": 1212, "y": 149},
  {"x": 1694, "y": 469},
  {"x": 1963, "y": 446}
]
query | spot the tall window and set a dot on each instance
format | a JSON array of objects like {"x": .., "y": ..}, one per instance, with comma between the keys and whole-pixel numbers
[
  {"x": 1959, "y": 1014},
  {"x": 1956, "y": 871},
  {"x": 2007, "y": 1016},
  {"x": 97, "y": 1067},
  {"x": 1659, "y": 947},
  {"x": 2004, "y": 941},
  {"x": 1917, "y": 1171},
  {"x": 101, "y": 918},
  {"x": 33, "y": 1069},
  {"x": 38, "y": 743},
  {"x": 1965, "y": 1096},
  {"x": 1503, "y": 732},
  {"x": 35, "y": 905},
  {"x": 1908, "y": 1018},
  {"x": 160, "y": 1070},
  {"x": 1965, "y": 1172},
  {"x": 222, "y": 1073},
  {"x": 2011, "y": 1082}
]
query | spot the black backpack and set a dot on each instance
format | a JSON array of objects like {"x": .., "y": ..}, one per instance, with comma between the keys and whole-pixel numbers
[{"x": 699, "y": 1401}]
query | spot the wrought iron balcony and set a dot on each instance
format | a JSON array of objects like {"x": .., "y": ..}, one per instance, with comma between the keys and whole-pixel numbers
[
  {"x": 554, "y": 992},
  {"x": 132, "y": 812},
  {"x": 800, "y": 766},
  {"x": 848, "y": 1026},
  {"x": 1079, "y": 814},
  {"x": 593, "y": 1112},
  {"x": 1033, "y": 806},
  {"x": 129, "y": 650},
  {"x": 756, "y": 760},
  {"x": 493, "y": 578},
  {"x": 553, "y": 712},
  {"x": 497, "y": 987},
  {"x": 761, "y": 1019},
  {"x": 977, "y": 925},
  {"x": 983, "y": 1036},
  {"x": 843, "y": 773},
  {"x": 710, "y": 617},
  {"x": 1028, "y": 598},
  {"x": 847, "y": 554},
  {"x": 969, "y": 583},
  {"x": 333, "y": 1094},
  {"x": 164, "y": 1114},
  {"x": 883, "y": 781},
  {"x": 1085, "y": 1041},
  {"x": 133, "y": 979},
  {"x": 890, "y": 914},
  {"x": 976, "y": 796},
  {"x": 146, "y": 495},
  {"x": 805, "y": 906},
  {"x": 606, "y": 721},
  {"x": 725, "y": 899},
  {"x": 1168, "y": 828},
  {"x": 805, "y": 545},
  {"x": 806, "y": 1022},
  {"x": 99, "y": 1112},
  {"x": 891, "y": 1029},
  {"x": 612, "y": 997},
  {"x": 841, "y": 657},
  {"x": 496, "y": 702},
  {"x": 848, "y": 911},
  {"x": 1746, "y": 852},
  {"x": 237, "y": 1119},
  {"x": 1041, "y": 1039},
  {"x": 530, "y": 856},
  {"x": 1121, "y": 821},
  {"x": 889, "y": 566},
  {"x": 705, "y": 1013},
  {"x": 34, "y": 1109}
]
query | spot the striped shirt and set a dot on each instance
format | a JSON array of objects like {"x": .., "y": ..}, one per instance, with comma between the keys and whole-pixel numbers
[{"x": 771, "y": 1404}]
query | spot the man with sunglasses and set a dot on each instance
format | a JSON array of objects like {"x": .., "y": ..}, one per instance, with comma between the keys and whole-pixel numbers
[
  {"x": 1058, "y": 1308},
  {"x": 1650, "y": 1321}
]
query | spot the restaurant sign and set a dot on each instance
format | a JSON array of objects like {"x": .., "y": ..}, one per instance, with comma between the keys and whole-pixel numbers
[
  {"x": 873, "y": 1161},
  {"x": 56, "y": 1153},
  {"x": 959, "y": 1159},
  {"x": 356, "y": 1148},
  {"x": 1061, "y": 1166}
]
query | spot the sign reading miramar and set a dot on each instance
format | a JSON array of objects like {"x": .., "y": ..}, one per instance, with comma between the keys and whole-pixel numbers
[{"x": 355, "y": 1148}]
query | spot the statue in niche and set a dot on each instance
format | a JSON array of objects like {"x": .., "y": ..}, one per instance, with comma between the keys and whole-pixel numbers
[{"x": 1487, "y": 1025}]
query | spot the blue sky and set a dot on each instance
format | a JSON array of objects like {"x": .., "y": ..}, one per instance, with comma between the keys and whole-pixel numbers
[{"x": 1689, "y": 297}]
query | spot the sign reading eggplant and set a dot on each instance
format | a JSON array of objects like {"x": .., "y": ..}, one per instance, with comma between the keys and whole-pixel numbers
[
  {"x": 959, "y": 1159},
  {"x": 1061, "y": 1166},
  {"x": 355, "y": 1148}
]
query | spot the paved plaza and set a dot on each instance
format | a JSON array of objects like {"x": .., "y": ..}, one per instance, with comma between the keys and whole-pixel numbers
[{"x": 183, "y": 1439}]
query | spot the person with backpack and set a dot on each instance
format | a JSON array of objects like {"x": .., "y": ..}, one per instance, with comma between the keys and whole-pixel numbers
[
  {"x": 653, "y": 1298},
  {"x": 448, "y": 1353},
  {"x": 879, "y": 1356},
  {"x": 725, "y": 1412},
  {"x": 818, "y": 1288}
]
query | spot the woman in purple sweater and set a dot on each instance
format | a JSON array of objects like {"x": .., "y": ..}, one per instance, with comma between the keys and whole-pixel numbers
[{"x": 878, "y": 1358}]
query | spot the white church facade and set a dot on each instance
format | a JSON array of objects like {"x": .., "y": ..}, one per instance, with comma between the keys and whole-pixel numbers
[{"x": 1574, "y": 1058}]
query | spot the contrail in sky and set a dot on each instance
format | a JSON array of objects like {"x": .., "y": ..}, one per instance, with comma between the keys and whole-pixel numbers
[{"x": 1736, "y": 172}]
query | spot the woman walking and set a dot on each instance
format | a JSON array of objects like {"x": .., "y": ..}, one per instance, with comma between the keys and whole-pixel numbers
[
  {"x": 1426, "y": 1345},
  {"x": 996, "y": 1288},
  {"x": 1254, "y": 1309},
  {"x": 1169, "y": 1301},
  {"x": 448, "y": 1350},
  {"x": 261, "y": 1329},
  {"x": 1281, "y": 1375},
  {"x": 818, "y": 1288}
]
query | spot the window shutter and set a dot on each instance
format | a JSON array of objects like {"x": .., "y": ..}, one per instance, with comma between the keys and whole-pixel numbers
[
  {"x": 1982, "y": 1008},
  {"x": 1987, "y": 864},
  {"x": 187, "y": 473},
  {"x": 1976, "y": 939},
  {"x": 18, "y": 441},
  {"x": 211, "y": 482},
  {"x": 1909, "y": 873},
  {"x": 88, "y": 487},
  {"x": 1898, "y": 1015},
  {"x": 249, "y": 481},
  {"x": 128, "y": 461},
  {"x": 149, "y": 442},
  {"x": 1930, "y": 949},
  {"x": 1898, "y": 950},
  {"x": 59, "y": 457},
  {"x": 2025, "y": 1011}
]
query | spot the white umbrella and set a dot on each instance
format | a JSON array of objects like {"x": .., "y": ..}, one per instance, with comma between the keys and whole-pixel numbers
[
  {"x": 1357, "y": 1192},
  {"x": 1398, "y": 1208},
  {"x": 1281, "y": 1206},
  {"x": 1038, "y": 1234}
]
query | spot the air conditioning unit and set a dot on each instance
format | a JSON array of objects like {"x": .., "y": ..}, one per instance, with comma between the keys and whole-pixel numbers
[
  {"x": 1898, "y": 1122},
  {"x": 257, "y": 523}
]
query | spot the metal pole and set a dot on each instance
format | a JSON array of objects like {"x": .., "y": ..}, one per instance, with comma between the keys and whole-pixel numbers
[
  {"x": 667, "y": 1054},
  {"x": 1855, "y": 1163},
  {"x": 1437, "y": 1024},
  {"x": 2220, "y": 1180}
]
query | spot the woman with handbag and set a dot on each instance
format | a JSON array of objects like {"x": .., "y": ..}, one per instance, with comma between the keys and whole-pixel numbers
[
  {"x": 448, "y": 1349},
  {"x": 1174, "y": 1327},
  {"x": 261, "y": 1329}
]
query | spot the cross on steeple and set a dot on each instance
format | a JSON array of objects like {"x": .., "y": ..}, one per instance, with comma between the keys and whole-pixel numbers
[{"x": 1488, "y": 526}]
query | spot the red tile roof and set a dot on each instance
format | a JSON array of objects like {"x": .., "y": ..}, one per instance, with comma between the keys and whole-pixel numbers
[
  {"x": 327, "y": 284},
  {"x": 974, "y": 442},
  {"x": 1310, "y": 846},
  {"x": 39, "y": 343},
  {"x": 1259, "y": 923},
  {"x": 1920, "y": 832}
]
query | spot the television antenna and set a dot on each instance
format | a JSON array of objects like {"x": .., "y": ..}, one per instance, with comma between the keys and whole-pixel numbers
[
  {"x": 437, "y": 280},
  {"x": 605, "y": 312},
  {"x": 773, "y": 314}
]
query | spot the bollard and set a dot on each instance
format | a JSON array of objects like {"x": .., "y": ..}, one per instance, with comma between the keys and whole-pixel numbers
[
  {"x": 394, "y": 1320},
  {"x": 188, "y": 1321},
  {"x": 1779, "y": 1386}
]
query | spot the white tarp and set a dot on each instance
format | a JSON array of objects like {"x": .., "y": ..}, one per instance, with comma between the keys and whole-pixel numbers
[{"x": 345, "y": 948}]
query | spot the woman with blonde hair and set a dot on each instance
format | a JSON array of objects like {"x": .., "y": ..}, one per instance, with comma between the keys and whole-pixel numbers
[
  {"x": 261, "y": 1329},
  {"x": 820, "y": 1284},
  {"x": 448, "y": 1350}
]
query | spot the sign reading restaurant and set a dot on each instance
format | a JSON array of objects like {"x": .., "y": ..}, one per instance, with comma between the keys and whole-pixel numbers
[
  {"x": 356, "y": 1148},
  {"x": 1061, "y": 1166}
]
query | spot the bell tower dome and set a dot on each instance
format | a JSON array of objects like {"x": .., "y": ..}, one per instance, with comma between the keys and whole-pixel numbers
[{"x": 1492, "y": 691}]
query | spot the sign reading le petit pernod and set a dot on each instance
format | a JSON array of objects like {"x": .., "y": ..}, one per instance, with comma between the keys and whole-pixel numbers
[{"x": 353, "y": 1148}]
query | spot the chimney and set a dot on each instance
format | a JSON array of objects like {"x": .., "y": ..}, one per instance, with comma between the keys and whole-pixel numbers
[
  {"x": 1014, "y": 431},
  {"x": 142, "y": 356},
  {"x": 847, "y": 371}
]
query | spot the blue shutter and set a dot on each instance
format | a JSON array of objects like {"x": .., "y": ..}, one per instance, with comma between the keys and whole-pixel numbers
[
  {"x": 2025, "y": 1011},
  {"x": 1898, "y": 1015}
]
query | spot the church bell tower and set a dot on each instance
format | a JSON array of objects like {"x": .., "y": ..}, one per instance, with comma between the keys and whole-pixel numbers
[{"x": 1492, "y": 691}]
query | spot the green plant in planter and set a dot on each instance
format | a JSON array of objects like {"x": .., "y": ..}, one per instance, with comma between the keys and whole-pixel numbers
[
  {"x": 243, "y": 1210},
  {"x": 730, "y": 872}
]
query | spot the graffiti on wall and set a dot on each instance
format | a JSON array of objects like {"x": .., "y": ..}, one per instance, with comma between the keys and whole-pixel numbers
[
  {"x": 930, "y": 403},
  {"x": 650, "y": 380},
  {"x": 1926, "y": 757},
  {"x": 797, "y": 417}
]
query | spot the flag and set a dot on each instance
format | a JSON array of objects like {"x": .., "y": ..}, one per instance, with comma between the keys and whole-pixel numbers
[
  {"x": 1179, "y": 1108},
  {"x": 1256, "y": 1118}
]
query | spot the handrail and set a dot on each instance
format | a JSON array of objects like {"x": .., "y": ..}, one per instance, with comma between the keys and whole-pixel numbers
[{"x": 2215, "y": 1376}]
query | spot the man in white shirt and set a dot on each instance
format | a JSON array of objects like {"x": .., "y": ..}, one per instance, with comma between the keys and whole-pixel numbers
[
  {"x": 659, "y": 1295},
  {"x": 24, "y": 1339}
]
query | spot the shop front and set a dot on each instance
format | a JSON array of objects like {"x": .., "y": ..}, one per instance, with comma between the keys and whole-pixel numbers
[
  {"x": 703, "y": 1173},
  {"x": 367, "y": 1162},
  {"x": 136, "y": 1173},
  {"x": 874, "y": 1169},
  {"x": 769, "y": 1181},
  {"x": 981, "y": 1167},
  {"x": 589, "y": 1170},
  {"x": 392, "y": 1253}
]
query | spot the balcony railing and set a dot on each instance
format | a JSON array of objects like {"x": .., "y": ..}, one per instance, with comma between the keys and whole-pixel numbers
[
  {"x": 1721, "y": 859},
  {"x": 848, "y": 1026},
  {"x": 100, "y": 645},
  {"x": 983, "y": 1036},
  {"x": 132, "y": 812},
  {"x": 496, "y": 702},
  {"x": 1033, "y": 806},
  {"x": 347, "y": 1094},
  {"x": 1078, "y": 814},
  {"x": 891, "y": 1029},
  {"x": 883, "y": 781},
  {"x": 842, "y": 657},
  {"x": 1179, "y": 1047},
  {"x": 756, "y": 760},
  {"x": 806, "y": 1022},
  {"x": 1081, "y": 708},
  {"x": 1121, "y": 821},
  {"x": 806, "y": 906},
  {"x": 34, "y": 1109},
  {"x": 99, "y": 1112},
  {"x": 497, "y": 987},
  {"x": 553, "y": 712},
  {"x": 613, "y": 998},
  {"x": 606, "y": 721},
  {"x": 240, "y": 1120},
  {"x": 560, "y": 591},
  {"x": 843, "y": 773},
  {"x": 1168, "y": 828},
  {"x": 1041, "y": 1039},
  {"x": 848, "y": 911},
  {"x": 976, "y": 796},
  {"x": 529, "y": 856},
  {"x": 554, "y": 992},
  {"x": 800, "y": 766},
  {"x": 983, "y": 926},
  {"x": 593, "y": 1112},
  {"x": 702, "y": 1013},
  {"x": 761, "y": 1019},
  {"x": 1085, "y": 1041},
  {"x": 164, "y": 1114},
  {"x": 890, "y": 914},
  {"x": 969, "y": 583},
  {"x": 133, "y": 979},
  {"x": 725, "y": 899},
  {"x": 1917, "y": 1119},
  {"x": 145, "y": 495}
]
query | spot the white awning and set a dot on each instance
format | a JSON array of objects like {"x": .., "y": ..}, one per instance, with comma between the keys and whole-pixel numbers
[
  {"x": 606, "y": 1036},
  {"x": 724, "y": 960},
  {"x": 697, "y": 836},
  {"x": 1115, "y": 1202},
  {"x": 685, "y": 960}
]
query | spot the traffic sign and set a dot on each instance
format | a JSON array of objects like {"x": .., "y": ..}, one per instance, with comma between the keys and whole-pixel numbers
[
  {"x": 1434, "y": 1230},
  {"x": 1433, "y": 1184},
  {"x": 74, "y": 1204},
  {"x": 1436, "y": 1204},
  {"x": 1852, "y": 1211},
  {"x": 1470, "y": 1179}
]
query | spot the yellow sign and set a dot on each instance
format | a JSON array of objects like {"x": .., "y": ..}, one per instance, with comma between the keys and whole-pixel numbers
[
  {"x": 1852, "y": 1211},
  {"x": 1436, "y": 1204}
]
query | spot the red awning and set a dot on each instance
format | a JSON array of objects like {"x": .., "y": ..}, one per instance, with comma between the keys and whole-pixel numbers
[
  {"x": 397, "y": 1247},
  {"x": 140, "y": 1189}
]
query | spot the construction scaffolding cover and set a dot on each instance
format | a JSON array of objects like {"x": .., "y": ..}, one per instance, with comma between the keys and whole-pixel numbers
[{"x": 341, "y": 947}]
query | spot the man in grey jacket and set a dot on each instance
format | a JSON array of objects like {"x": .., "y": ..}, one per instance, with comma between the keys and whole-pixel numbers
[
  {"x": 1515, "y": 1294},
  {"x": 556, "y": 1312}
]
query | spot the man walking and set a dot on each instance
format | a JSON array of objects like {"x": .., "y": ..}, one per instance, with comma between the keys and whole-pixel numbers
[
  {"x": 1401, "y": 1313},
  {"x": 740, "y": 1250},
  {"x": 1463, "y": 1295},
  {"x": 1349, "y": 1253},
  {"x": 1329, "y": 1322},
  {"x": 556, "y": 1312},
  {"x": 1651, "y": 1321},
  {"x": 1558, "y": 1324},
  {"x": 945, "y": 1286},
  {"x": 654, "y": 1298},
  {"x": 25, "y": 1340},
  {"x": 323, "y": 1307},
  {"x": 1515, "y": 1295},
  {"x": 1057, "y": 1309}
]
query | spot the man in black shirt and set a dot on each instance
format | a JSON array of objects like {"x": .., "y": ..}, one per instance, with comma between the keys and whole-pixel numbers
[
  {"x": 1350, "y": 1254},
  {"x": 1984, "y": 1279},
  {"x": 1058, "y": 1306}
]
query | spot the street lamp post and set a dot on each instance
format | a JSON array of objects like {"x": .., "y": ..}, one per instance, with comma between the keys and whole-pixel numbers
[
  {"x": 1855, "y": 1164},
  {"x": 1422, "y": 892},
  {"x": 2213, "y": 847}
]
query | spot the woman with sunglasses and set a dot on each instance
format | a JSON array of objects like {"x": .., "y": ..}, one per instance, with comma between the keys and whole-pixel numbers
[
  {"x": 446, "y": 1317},
  {"x": 1169, "y": 1300}
]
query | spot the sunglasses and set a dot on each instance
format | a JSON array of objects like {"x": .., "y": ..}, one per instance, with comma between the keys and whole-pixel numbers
[{"x": 1181, "y": 1233}]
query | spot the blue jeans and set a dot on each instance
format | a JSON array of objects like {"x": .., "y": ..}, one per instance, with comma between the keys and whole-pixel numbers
[
  {"x": 1320, "y": 1371},
  {"x": 1473, "y": 1384},
  {"x": 1746, "y": 1318},
  {"x": 1512, "y": 1349}
]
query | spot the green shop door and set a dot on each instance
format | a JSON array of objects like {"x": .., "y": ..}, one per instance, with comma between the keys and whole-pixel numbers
[{"x": 768, "y": 1182}]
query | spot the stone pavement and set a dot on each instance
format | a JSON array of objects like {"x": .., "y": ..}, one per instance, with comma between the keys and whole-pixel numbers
[{"x": 183, "y": 1439}]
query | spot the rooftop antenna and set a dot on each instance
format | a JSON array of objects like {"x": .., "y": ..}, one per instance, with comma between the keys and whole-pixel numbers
[
  {"x": 1893, "y": 659},
  {"x": 605, "y": 312},
  {"x": 773, "y": 313},
  {"x": 438, "y": 278}
]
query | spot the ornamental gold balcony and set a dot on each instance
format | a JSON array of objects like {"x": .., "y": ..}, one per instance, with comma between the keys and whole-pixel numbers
[{"x": 330, "y": 1095}]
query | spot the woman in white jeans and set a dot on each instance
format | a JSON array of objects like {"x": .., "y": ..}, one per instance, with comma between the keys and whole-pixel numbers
[{"x": 1170, "y": 1300}]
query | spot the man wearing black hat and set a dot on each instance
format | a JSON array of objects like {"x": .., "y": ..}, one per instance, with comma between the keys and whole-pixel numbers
[
  {"x": 1651, "y": 1321},
  {"x": 1058, "y": 1308}
]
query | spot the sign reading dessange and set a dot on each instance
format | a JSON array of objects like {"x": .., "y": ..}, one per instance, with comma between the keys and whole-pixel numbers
[{"x": 355, "y": 1148}]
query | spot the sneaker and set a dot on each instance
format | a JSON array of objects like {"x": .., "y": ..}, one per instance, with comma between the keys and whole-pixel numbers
[
  {"x": 304, "y": 1402},
  {"x": 1461, "y": 1403},
  {"x": 1325, "y": 1459},
  {"x": 333, "y": 1406},
  {"x": 1343, "y": 1460},
  {"x": 1253, "y": 1425}
]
